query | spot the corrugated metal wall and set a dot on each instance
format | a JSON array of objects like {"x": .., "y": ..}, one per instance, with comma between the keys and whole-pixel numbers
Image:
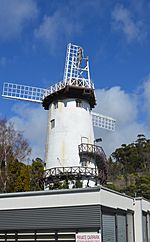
[
  {"x": 51, "y": 218},
  {"x": 130, "y": 226},
  {"x": 117, "y": 226},
  {"x": 145, "y": 228},
  {"x": 108, "y": 228},
  {"x": 121, "y": 228}
]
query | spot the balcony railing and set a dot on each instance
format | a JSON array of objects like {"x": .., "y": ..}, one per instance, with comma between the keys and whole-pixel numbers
[
  {"x": 91, "y": 150},
  {"x": 86, "y": 151},
  {"x": 58, "y": 174}
]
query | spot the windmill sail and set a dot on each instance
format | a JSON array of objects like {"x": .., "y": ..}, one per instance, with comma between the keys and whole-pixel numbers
[
  {"x": 76, "y": 71},
  {"x": 104, "y": 122},
  {"x": 22, "y": 92}
]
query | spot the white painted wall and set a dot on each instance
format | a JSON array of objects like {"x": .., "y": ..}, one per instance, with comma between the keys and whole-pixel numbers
[
  {"x": 49, "y": 199},
  {"x": 71, "y": 124},
  {"x": 115, "y": 200},
  {"x": 74, "y": 197},
  {"x": 145, "y": 205},
  {"x": 140, "y": 205},
  {"x": 148, "y": 224},
  {"x": 138, "y": 228}
]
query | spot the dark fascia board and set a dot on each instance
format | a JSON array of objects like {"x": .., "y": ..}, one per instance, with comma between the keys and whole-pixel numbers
[
  {"x": 64, "y": 191},
  {"x": 50, "y": 192},
  {"x": 130, "y": 211},
  {"x": 113, "y": 191},
  {"x": 108, "y": 210},
  {"x": 141, "y": 198},
  {"x": 71, "y": 92}
]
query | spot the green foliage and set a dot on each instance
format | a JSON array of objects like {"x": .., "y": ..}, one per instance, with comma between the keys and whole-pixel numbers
[
  {"x": 78, "y": 184},
  {"x": 56, "y": 185},
  {"x": 36, "y": 175},
  {"x": 59, "y": 185},
  {"x": 23, "y": 178},
  {"x": 129, "y": 168},
  {"x": 143, "y": 186},
  {"x": 66, "y": 184},
  {"x": 18, "y": 177},
  {"x": 134, "y": 157}
]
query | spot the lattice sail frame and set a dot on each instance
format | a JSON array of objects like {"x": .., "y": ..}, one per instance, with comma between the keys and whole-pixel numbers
[
  {"x": 77, "y": 68},
  {"x": 22, "y": 92},
  {"x": 104, "y": 122}
]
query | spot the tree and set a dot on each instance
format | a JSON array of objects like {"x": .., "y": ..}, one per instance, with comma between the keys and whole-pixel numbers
[
  {"x": 18, "y": 179},
  {"x": 13, "y": 147},
  {"x": 133, "y": 157},
  {"x": 143, "y": 186},
  {"x": 36, "y": 175},
  {"x": 132, "y": 163}
]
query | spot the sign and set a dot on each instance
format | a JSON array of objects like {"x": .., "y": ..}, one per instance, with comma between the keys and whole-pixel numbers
[{"x": 88, "y": 237}]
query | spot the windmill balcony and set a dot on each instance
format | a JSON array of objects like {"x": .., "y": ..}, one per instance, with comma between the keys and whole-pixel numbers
[
  {"x": 88, "y": 153},
  {"x": 92, "y": 152},
  {"x": 61, "y": 173}
]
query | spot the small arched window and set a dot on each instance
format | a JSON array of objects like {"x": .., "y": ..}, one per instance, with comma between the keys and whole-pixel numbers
[
  {"x": 78, "y": 103},
  {"x": 52, "y": 123},
  {"x": 55, "y": 105}
]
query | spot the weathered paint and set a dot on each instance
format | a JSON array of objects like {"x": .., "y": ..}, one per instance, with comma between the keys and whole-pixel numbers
[{"x": 71, "y": 124}]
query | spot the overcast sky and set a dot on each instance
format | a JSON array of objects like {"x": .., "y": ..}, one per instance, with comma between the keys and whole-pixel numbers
[{"x": 116, "y": 37}]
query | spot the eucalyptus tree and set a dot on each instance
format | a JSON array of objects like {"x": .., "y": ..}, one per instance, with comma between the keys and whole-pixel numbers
[{"x": 132, "y": 162}]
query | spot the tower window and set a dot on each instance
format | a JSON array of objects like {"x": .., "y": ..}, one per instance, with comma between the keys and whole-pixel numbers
[
  {"x": 78, "y": 103},
  {"x": 55, "y": 105},
  {"x": 65, "y": 103},
  {"x": 84, "y": 163},
  {"x": 52, "y": 123}
]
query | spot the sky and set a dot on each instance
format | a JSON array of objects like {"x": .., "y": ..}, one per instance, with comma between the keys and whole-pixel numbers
[{"x": 115, "y": 35}]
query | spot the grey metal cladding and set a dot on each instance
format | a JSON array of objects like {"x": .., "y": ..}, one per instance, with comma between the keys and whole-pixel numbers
[
  {"x": 109, "y": 228},
  {"x": 51, "y": 218},
  {"x": 121, "y": 228}
]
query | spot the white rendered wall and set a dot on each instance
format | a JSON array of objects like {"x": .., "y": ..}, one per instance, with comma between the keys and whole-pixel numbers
[
  {"x": 113, "y": 199},
  {"x": 138, "y": 226},
  {"x": 71, "y": 124},
  {"x": 72, "y": 197},
  {"x": 146, "y": 208}
]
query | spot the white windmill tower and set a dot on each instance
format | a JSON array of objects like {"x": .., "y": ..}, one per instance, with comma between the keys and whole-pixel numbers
[{"x": 71, "y": 152}]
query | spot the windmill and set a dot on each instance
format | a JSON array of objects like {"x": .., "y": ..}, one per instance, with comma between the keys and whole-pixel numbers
[{"x": 71, "y": 151}]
